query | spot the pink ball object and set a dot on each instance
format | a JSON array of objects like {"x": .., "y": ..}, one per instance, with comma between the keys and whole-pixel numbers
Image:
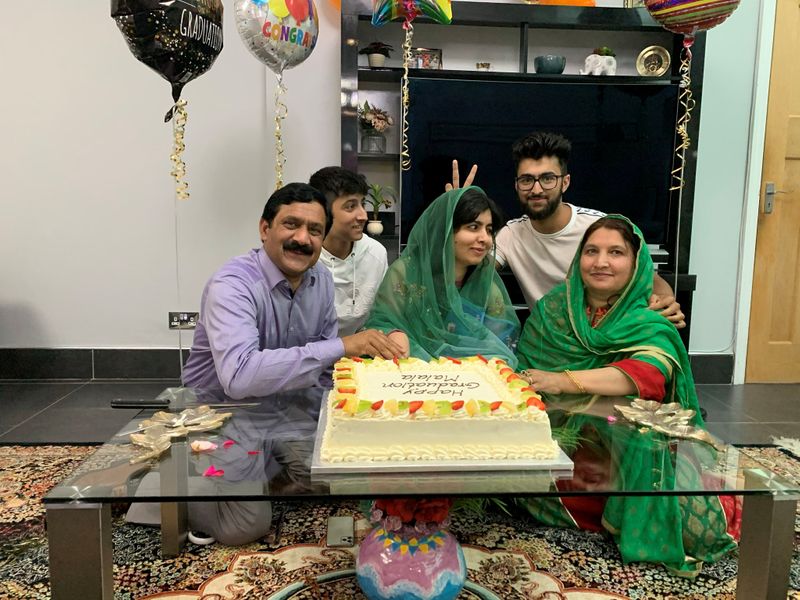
[
  {"x": 408, "y": 565},
  {"x": 690, "y": 17}
]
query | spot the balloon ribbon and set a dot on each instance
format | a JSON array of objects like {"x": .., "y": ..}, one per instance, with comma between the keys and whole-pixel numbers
[
  {"x": 281, "y": 110},
  {"x": 405, "y": 158},
  {"x": 179, "y": 117},
  {"x": 687, "y": 104}
]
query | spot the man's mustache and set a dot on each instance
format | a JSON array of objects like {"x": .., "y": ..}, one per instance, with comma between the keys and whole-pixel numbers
[{"x": 298, "y": 247}]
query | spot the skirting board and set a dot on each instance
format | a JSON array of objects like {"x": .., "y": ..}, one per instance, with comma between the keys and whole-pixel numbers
[{"x": 82, "y": 363}]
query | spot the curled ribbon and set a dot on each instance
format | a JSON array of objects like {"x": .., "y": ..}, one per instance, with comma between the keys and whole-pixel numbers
[
  {"x": 687, "y": 103},
  {"x": 179, "y": 118},
  {"x": 404, "y": 153},
  {"x": 411, "y": 13},
  {"x": 281, "y": 110}
]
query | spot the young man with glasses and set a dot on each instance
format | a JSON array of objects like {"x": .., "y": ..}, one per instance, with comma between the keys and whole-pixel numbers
[{"x": 539, "y": 246}]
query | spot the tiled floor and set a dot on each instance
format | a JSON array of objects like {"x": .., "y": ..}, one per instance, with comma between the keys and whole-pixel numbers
[
  {"x": 79, "y": 412},
  {"x": 68, "y": 413}
]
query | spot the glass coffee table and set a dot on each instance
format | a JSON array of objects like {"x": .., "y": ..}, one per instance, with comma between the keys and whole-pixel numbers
[{"x": 271, "y": 459}]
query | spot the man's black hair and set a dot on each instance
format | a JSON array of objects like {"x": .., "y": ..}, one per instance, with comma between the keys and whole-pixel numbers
[
  {"x": 289, "y": 194},
  {"x": 539, "y": 144}
]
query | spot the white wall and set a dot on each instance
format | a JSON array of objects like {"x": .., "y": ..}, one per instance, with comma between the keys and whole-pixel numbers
[
  {"x": 722, "y": 166},
  {"x": 87, "y": 218}
]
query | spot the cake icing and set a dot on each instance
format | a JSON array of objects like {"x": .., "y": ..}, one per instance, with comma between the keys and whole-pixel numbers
[{"x": 445, "y": 409}]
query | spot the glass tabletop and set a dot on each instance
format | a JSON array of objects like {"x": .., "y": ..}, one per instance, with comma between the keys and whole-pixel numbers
[{"x": 265, "y": 449}]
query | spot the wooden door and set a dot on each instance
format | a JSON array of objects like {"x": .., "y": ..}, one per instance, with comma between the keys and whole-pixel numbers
[{"x": 773, "y": 353}]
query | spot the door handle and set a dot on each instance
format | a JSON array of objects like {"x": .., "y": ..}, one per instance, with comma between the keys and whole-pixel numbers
[{"x": 769, "y": 197}]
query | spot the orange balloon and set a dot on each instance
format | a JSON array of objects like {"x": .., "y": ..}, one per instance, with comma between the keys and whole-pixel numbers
[{"x": 337, "y": 4}]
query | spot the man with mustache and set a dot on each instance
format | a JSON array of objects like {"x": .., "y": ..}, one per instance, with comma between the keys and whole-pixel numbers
[
  {"x": 267, "y": 319},
  {"x": 539, "y": 246},
  {"x": 267, "y": 325},
  {"x": 356, "y": 261}
]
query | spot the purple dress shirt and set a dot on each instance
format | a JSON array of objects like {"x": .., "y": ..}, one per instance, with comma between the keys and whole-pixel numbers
[{"x": 254, "y": 337}]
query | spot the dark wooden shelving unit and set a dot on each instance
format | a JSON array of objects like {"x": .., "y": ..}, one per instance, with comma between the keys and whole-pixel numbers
[
  {"x": 394, "y": 75},
  {"x": 388, "y": 157},
  {"x": 526, "y": 19}
]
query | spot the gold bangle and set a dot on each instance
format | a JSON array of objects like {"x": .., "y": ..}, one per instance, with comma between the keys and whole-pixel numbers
[{"x": 574, "y": 380}]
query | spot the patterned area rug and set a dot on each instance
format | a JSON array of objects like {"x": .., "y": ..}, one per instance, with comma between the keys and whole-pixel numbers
[{"x": 507, "y": 558}]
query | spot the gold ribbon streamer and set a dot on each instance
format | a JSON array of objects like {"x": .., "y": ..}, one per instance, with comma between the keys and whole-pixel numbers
[
  {"x": 281, "y": 110},
  {"x": 404, "y": 154},
  {"x": 179, "y": 119},
  {"x": 682, "y": 128}
]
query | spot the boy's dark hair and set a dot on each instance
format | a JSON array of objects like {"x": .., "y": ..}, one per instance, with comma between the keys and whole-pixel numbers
[
  {"x": 539, "y": 144},
  {"x": 288, "y": 194},
  {"x": 471, "y": 204},
  {"x": 334, "y": 182}
]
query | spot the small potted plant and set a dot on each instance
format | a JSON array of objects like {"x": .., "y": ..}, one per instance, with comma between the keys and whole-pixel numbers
[
  {"x": 601, "y": 61},
  {"x": 378, "y": 196},
  {"x": 377, "y": 53}
]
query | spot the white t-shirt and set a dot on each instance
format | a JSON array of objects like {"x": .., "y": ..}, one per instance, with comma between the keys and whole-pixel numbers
[
  {"x": 356, "y": 279},
  {"x": 540, "y": 261}
]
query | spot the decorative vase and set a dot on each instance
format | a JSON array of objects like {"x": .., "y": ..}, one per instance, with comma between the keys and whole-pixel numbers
[
  {"x": 374, "y": 227},
  {"x": 376, "y": 60},
  {"x": 409, "y": 565},
  {"x": 373, "y": 142}
]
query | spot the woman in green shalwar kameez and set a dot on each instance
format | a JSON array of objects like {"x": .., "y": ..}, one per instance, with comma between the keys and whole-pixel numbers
[
  {"x": 574, "y": 344},
  {"x": 443, "y": 296}
]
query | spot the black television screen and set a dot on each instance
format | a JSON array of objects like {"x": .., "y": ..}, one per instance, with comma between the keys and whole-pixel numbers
[{"x": 622, "y": 143}]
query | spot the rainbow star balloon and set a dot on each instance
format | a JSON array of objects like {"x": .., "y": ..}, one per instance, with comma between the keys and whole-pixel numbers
[{"x": 384, "y": 11}]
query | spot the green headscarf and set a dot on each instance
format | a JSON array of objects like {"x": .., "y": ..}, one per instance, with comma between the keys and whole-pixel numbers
[
  {"x": 419, "y": 295},
  {"x": 558, "y": 334}
]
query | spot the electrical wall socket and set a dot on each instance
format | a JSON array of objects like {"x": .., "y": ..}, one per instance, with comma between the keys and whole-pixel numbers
[{"x": 183, "y": 320}]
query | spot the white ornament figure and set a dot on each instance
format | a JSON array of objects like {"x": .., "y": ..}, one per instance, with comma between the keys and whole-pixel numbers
[{"x": 599, "y": 65}]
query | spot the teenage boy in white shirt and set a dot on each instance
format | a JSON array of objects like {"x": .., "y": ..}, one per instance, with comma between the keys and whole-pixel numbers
[{"x": 356, "y": 261}]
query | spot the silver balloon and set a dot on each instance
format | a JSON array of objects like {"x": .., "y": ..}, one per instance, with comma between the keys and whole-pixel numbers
[{"x": 279, "y": 33}]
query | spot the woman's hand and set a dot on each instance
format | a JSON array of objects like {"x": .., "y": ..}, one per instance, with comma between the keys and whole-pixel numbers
[
  {"x": 401, "y": 339},
  {"x": 605, "y": 381},
  {"x": 545, "y": 381}
]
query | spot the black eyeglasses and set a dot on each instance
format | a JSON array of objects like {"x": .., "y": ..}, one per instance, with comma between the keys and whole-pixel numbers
[{"x": 547, "y": 180}]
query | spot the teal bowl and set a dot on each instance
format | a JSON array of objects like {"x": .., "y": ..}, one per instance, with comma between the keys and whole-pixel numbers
[{"x": 550, "y": 64}]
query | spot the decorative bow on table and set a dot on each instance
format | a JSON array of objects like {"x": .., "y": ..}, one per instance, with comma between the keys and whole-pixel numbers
[
  {"x": 670, "y": 419},
  {"x": 155, "y": 434}
]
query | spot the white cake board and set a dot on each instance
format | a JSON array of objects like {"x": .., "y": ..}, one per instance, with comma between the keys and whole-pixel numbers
[{"x": 319, "y": 467}]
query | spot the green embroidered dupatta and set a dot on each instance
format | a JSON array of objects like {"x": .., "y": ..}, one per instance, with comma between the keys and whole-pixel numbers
[
  {"x": 680, "y": 532},
  {"x": 558, "y": 334},
  {"x": 419, "y": 296}
]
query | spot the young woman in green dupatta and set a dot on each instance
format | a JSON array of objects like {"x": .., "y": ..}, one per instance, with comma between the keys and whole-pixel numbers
[
  {"x": 443, "y": 297},
  {"x": 595, "y": 335}
]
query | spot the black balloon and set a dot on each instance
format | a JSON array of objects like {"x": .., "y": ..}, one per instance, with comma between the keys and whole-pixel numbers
[{"x": 179, "y": 39}]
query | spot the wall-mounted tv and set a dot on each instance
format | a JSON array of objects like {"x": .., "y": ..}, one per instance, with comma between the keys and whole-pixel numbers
[{"x": 622, "y": 136}]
